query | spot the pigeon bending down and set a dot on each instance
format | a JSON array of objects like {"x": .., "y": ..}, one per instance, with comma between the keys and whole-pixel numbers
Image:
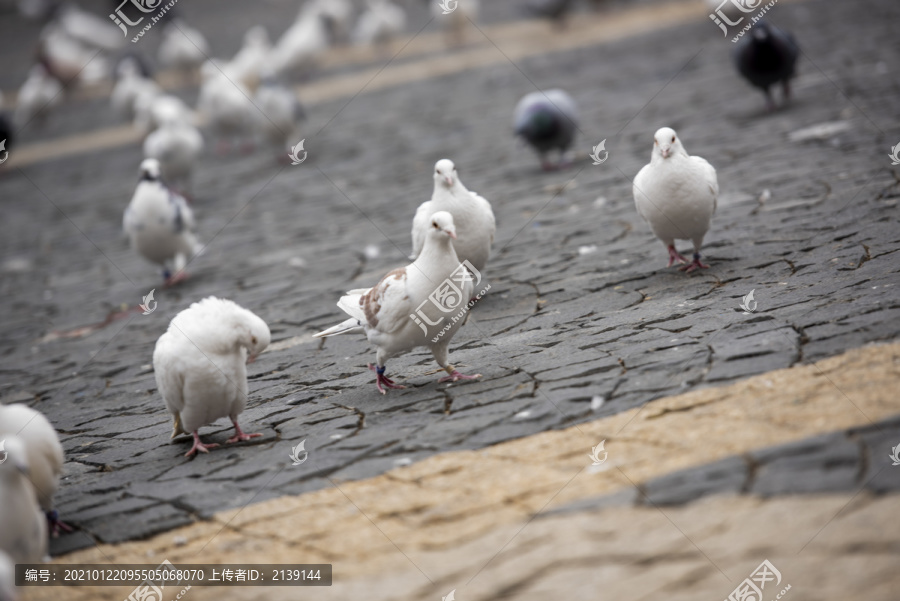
[
  {"x": 547, "y": 121},
  {"x": 676, "y": 194},
  {"x": 472, "y": 215},
  {"x": 160, "y": 224},
  {"x": 45, "y": 454},
  {"x": 177, "y": 145},
  {"x": 201, "y": 366},
  {"x": 394, "y": 313},
  {"x": 23, "y": 528},
  {"x": 132, "y": 88},
  {"x": 766, "y": 57},
  {"x": 299, "y": 48}
]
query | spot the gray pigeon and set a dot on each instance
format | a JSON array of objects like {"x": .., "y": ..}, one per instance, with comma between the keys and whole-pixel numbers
[
  {"x": 766, "y": 57},
  {"x": 547, "y": 120}
]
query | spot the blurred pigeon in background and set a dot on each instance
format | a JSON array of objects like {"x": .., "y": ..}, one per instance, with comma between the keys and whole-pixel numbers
[
  {"x": 45, "y": 454},
  {"x": 153, "y": 111},
  {"x": 132, "y": 89},
  {"x": 182, "y": 47},
  {"x": 456, "y": 22},
  {"x": 248, "y": 64},
  {"x": 379, "y": 23},
  {"x": 765, "y": 57},
  {"x": 37, "y": 96},
  {"x": 160, "y": 224},
  {"x": 384, "y": 312},
  {"x": 177, "y": 145},
  {"x": 23, "y": 528},
  {"x": 226, "y": 105},
  {"x": 279, "y": 114},
  {"x": 298, "y": 49},
  {"x": 547, "y": 120},
  {"x": 677, "y": 195},
  {"x": 6, "y": 127},
  {"x": 337, "y": 15},
  {"x": 200, "y": 364},
  {"x": 472, "y": 216}
]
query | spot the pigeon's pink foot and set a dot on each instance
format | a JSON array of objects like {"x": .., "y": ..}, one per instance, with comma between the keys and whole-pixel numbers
[
  {"x": 199, "y": 446},
  {"x": 456, "y": 376},
  {"x": 177, "y": 278},
  {"x": 675, "y": 256},
  {"x": 55, "y": 524},
  {"x": 695, "y": 264},
  {"x": 382, "y": 380},
  {"x": 548, "y": 166},
  {"x": 240, "y": 436}
]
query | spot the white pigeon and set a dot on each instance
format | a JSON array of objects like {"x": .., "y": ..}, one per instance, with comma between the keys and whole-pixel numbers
[
  {"x": 153, "y": 111},
  {"x": 381, "y": 22},
  {"x": 299, "y": 48},
  {"x": 201, "y": 366},
  {"x": 132, "y": 89},
  {"x": 23, "y": 528},
  {"x": 456, "y": 21},
  {"x": 40, "y": 93},
  {"x": 279, "y": 112},
  {"x": 226, "y": 104},
  {"x": 7, "y": 578},
  {"x": 68, "y": 59},
  {"x": 337, "y": 15},
  {"x": 676, "y": 194},
  {"x": 45, "y": 453},
  {"x": 421, "y": 304},
  {"x": 88, "y": 28},
  {"x": 177, "y": 146},
  {"x": 250, "y": 61},
  {"x": 472, "y": 215},
  {"x": 182, "y": 47},
  {"x": 160, "y": 224}
]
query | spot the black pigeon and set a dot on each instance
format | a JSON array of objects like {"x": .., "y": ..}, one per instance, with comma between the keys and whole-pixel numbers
[
  {"x": 766, "y": 57},
  {"x": 547, "y": 121}
]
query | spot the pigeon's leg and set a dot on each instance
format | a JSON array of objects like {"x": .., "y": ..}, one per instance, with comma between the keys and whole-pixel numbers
[
  {"x": 770, "y": 102},
  {"x": 55, "y": 524},
  {"x": 239, "y": 434},
  {"x": 674, "y": 255},
  {"x": 442, "y": 357},
  {"x": 180, "y": 274},
  {"x": 382, "y": 380},
  {"x": 199, "y": 446},
  {"x": 547, "y": 164},
  {"x": 695, "y": 264},
  {"x": 786, "y": 88}
]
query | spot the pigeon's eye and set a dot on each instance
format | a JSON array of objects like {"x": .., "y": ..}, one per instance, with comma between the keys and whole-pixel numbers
[
  {"x": 434, "y": 223},
  {"x": 655, "y": 142},
  {"x": 673, "y": 138},
  {"x": 253, "y": 340}
]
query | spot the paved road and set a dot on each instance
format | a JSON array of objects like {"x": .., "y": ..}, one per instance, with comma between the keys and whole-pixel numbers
[{"x": 559, "y": 327}]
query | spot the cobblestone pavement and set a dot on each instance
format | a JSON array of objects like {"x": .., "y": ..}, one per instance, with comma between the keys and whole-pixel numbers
[
  {"x": 532, "y": 515},
  {"x": 561, "y": 325}
]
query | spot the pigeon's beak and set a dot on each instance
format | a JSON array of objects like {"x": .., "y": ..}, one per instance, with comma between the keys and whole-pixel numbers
[
  {"x": 665, "y": 152},
  {"x": 451, "y": 233},
  {"x": 251, "y": 359},
  {"x": 448, "y": 180}
]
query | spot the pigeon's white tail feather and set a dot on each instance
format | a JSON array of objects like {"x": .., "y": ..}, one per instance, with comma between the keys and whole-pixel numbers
[
  {"x": 349, "y": 304},
  {"x": 350, "y": 325}
]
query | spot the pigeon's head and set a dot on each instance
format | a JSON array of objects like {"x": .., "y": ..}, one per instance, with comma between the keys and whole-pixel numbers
[
  {"x": 666, "y": 143},
  {"x": 761, "y": 31},
  {"x": 150, "y": 170},
  {"x": 16, "y": 457},
  {"x": 444, "y": 173},
  {"x": 255, "y": 335},
  {"x": 442, "y": 225}
]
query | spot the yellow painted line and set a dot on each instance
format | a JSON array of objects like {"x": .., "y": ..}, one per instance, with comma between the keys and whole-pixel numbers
[{"x": 445, "y": 501}]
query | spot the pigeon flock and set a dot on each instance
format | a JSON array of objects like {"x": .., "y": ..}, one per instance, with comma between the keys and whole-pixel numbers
[{"x": 200, "y": 361}]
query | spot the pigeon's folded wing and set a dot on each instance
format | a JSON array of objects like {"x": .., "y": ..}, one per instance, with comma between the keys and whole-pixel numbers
[
  {"x": 169, "y": 376},
  {"x": 708, "y": 172},
  {"x": 386, "y": 305}
]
